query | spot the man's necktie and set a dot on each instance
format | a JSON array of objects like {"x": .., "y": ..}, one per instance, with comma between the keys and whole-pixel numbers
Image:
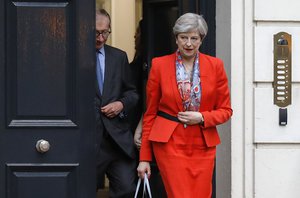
[{"x": 99, "y": 72}]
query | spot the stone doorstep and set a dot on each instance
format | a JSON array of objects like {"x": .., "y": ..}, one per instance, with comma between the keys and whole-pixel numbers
[{"x": 103, "y": 193}]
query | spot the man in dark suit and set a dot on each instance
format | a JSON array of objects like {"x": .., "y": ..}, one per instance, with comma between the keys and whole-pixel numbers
[{"x": 115, "y": 95}]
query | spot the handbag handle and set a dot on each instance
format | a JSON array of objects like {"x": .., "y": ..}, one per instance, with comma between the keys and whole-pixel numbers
[{"x": 146, "y": 186}]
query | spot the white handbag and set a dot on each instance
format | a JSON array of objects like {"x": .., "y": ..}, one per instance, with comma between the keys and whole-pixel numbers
[{"x": 146, "y": 187}]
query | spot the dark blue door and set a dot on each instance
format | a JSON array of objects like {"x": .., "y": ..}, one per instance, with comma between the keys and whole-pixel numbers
[{"x": 46, "y": 99}]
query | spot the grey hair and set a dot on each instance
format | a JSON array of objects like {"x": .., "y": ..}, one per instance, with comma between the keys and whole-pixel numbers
[
  {"x": 190, "y": 22},
  {"x": 103, "y": 12}
]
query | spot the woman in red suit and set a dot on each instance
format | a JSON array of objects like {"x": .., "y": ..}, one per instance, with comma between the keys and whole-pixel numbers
[{"x": 187, "y": 97}]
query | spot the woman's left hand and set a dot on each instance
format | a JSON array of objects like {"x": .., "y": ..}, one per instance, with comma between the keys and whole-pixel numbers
[
  {"x": 144, "y": 167},
  {"x": 190, "y": 117}
]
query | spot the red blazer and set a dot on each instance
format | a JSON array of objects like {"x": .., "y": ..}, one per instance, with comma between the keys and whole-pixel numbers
[{"x": 163, "y": 95}]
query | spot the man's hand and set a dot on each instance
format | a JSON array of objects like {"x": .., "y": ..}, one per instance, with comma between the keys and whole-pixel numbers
[{"x": 113, "y": 109}]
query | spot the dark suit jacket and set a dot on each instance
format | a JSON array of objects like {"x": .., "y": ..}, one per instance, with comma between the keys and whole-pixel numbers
[{"x": 117, "y": 86}]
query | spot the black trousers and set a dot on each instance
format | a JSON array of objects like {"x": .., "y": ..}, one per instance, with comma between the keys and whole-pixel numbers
[{"x": 119, "y": 168}]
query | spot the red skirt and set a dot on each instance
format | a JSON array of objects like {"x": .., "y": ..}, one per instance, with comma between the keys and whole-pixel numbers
[{"x": 186, "y": 164}]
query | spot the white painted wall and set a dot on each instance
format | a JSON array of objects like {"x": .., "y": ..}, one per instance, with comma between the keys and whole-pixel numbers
[
  {"x": 277, "y": 10},
  {"x": 265, "y": 157},
  {"x": 123, "y": 25},
  {"x": 239, "y": 80},
  {"x": 277, "y": 172}
]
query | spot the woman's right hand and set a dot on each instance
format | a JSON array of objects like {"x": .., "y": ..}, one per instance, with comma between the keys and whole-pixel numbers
[
  {"x": 144, "y": 167},
  {"x": 138, "y": 137}
]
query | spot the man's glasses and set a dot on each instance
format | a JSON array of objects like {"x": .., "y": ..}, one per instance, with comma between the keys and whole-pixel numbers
[{"x": 104, "y": 33}]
